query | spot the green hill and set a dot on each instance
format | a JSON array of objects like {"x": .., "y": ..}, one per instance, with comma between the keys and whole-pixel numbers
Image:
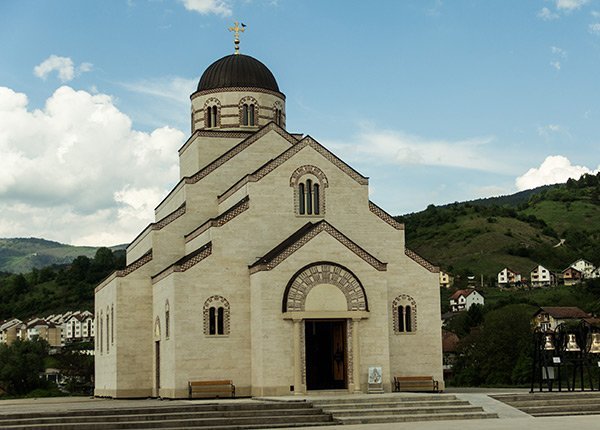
[
  {"x": 552, "y": 226},
  {"x": 21, "y": 255}
]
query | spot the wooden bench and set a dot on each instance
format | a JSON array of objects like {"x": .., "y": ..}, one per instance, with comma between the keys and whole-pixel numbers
[
  {"x": 415, "y": 383},
  {"x": 222, "y": 388}
]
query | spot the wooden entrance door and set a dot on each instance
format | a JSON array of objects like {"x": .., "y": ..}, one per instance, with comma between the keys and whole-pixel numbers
[{"x": 325, "y": 354}]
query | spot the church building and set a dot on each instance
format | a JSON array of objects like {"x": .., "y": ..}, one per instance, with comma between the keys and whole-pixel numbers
[{"x": 267, "y": 264}]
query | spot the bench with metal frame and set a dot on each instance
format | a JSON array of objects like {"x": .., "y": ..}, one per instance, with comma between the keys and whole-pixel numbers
[
  {"x": 416, "y": 383},
  {"x": 209, "y": 389}
]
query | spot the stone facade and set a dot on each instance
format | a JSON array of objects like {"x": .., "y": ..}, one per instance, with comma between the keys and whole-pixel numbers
[{"x": 266, "y": 252}]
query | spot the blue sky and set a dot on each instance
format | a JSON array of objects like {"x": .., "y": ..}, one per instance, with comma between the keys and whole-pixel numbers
[{"x": 436, "y": 101}]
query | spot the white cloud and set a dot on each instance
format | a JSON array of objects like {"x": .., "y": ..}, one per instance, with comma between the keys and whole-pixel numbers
[
  {"x": 547, "y": 15},
  {"x": 76, "y": 171},
  {"x": 393, "y": 147},
  {"x": 554, "y": 170},
  {"x": 205, "y": 7},
  {"x": 569, "y": 5},
  {"x": 176, "y": 89},
  {"x": 558, "y": 51},
  {"x": 547, "y": 130},
  {"x": 555, "y": 64},
  {"x": 595, "y": 14},
  {"x": 63, "y": 66},
  {"x": 595, "y": 28}
]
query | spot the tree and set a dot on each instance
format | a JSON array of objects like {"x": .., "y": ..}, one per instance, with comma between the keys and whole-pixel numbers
[{"x": 21, "y": 364}]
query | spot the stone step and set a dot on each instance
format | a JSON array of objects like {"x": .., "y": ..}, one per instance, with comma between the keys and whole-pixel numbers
[
  {"x": 341, "y": 406},
  {"x": 341, "y": 414},
  {"x": 384, "y": 399},
  {"x": 563, "y": 414},
  {"x": 553, "y": 402},
  {"x": 208, "y": 423},
  {"x": 234, "y": 406},
  {"x": 374, "y": 419},
  {"x": 92, "y": 417},
  {"x": 547, "y": 395},
  {"x": 533, "y": 410}
]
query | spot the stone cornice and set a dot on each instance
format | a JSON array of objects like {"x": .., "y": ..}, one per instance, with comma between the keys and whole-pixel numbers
[
  {"x": 237, "y": 90},
  {"x": 185, "y": 263},
  {"x": 159, "y": 225},
  {"x": 214, "y": 133},
  {"x": 267, "y": 168},
  {"x": 147, "y": 257},
  {"x": 220, "y": 220},
  {"x": 420, "y": 260},
  {"x": 305, "y": 234},
  {"x": 386, "y": 217}
]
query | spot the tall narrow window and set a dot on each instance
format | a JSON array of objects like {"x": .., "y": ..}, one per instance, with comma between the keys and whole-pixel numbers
[
  {"x": 301, "y": 199},
  {"x": 107, "y": 331},
  {"x": 251, "y": 114},
  {"x": 408, "y": 318},
  {"x": 101, "y": 338},
  {"x": 167, "y": 320},
  {"x": 316, "y": 199},
  {"x": 73, "y": 329},
  {"x": 309, "y": 200},
  {"x": 212, "y": 320},
  {"x": 208, "y": 118},
  {"x": 220, "y": 320},
  {"x": 112, "y": 327},
  {"x": 400, "y": 318},
  {"x": 89, "y": 328},
  {"x": 245, "y": 114},
  {"x": 216, "y": 316},
  {"x": 213, "y": 116}
]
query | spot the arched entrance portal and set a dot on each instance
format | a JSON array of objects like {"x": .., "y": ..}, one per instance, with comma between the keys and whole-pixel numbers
[{"x": 326, "y": 301}]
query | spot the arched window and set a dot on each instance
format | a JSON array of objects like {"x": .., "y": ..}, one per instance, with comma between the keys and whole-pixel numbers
[
  {"x": 278, "y": 114},
  {"x": 309, "y": 183},
  {"x": 212, "y": 107},
  {"x": 167, "y": 319},
  {"x": 404, "y": 311},
  {"x": 101, "y": 338},
  {"x": 248, "y": 112},
  {"x": 216, "y": 316},
  {"x": 107, "y": 331}
]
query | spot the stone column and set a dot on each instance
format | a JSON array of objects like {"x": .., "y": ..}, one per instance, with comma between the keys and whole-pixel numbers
[
  {"x": 356, "y": 355},
  {"x": 299, "y": 388}
]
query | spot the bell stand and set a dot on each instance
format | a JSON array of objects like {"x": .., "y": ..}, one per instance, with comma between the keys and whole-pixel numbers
[{"x": 542, "y": 360}]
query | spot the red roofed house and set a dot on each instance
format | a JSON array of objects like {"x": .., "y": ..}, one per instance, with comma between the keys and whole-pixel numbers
[{"x": 462, "y": 300}]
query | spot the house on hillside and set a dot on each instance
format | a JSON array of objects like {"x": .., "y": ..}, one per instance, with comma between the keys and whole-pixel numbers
[
  {"x": 462, "y": 300},
  {"x": 571, "y": 276},
  {"x": 509, "y": 278},
  {"x": 549, "y": 317},
  {"x": 586, "y": 268},
  {"x": 38, "y": 328},
  {"x": 446, "y": 280},
  {"x": 8, "y": 330},
  {"x": 542, "y": 277}
]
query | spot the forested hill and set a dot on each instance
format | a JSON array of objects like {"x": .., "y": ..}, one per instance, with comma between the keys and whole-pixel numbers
[
  {"x": 553, "y": 226},
  {"x": 21, "y": 255}
]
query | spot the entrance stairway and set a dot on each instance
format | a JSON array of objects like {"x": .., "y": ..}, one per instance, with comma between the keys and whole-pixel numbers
[
  {"x": 235, "y": 415},
  {"x": 554, "y": 403},
  {"x": 399, "y": 408}
]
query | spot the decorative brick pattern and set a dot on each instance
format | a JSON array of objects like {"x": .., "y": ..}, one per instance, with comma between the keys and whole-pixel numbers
[
  {"x": 276, "y": 162},
  {"x": 237, "y": 90},
  {"x": 350, "y": 350},
  {"x": 147, "y": 257},
  {"x": 322, "y": 226},
  {"x": 385, "y": 216},
  {"x": 237, "y": 149},
  {"x": 222, "y": 219},
  {"x": 321, "y": 179},
  {"x": 325, "y": 273},
  {"x": 404, "y": 300},
  {"x": 417, "y": 258},
  {"x": 216, "y": 302},
  {"x": 169, "y": 218},
  {"x": 185, "y": 263}
]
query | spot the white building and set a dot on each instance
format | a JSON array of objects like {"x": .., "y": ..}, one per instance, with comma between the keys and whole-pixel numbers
[
  {"x": 508, "y": 278},
  {"x": 462, "y": 300},
  {"x": 586, "y": 268},
  {"x": 542, "y": 277}
]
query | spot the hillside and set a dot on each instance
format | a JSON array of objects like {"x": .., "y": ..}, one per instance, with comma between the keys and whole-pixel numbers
[
  {"x": 483, "y": 236},
  {"x": 21, "y": 255}
]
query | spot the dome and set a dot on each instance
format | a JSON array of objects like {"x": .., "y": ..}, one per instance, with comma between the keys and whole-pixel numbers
[{"x": 237, "y": 71}]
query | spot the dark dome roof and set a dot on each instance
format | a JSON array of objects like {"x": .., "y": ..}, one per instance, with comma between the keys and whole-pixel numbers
[{"x": 237, "y": 71}]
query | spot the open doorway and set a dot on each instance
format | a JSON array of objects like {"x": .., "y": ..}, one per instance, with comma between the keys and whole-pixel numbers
[{"x": 326, "y": 352}]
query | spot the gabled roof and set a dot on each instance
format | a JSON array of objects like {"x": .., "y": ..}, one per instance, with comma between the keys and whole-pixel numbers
[
  {"x": 510, "y": 270},
  {"x": 571, "y": 269},
  {"x": 272, "y": 164},
  {"x": 302, "y": 236},
  {"x": 466, "y": 293},
  {"x": 563, "y": 312}
]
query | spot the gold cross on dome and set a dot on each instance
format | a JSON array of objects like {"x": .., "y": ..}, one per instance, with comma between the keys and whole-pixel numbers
[{"x": 237, "y": 29}]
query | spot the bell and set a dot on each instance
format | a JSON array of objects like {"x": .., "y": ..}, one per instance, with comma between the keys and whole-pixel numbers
[
  {"x": 572, "y": 344},
  {"x": 548, "y": 345},
  {"x": 595, "y": 346}
]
